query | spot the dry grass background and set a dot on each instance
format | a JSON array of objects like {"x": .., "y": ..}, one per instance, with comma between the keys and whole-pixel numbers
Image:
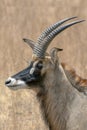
[{"x": 19, "y": 110}]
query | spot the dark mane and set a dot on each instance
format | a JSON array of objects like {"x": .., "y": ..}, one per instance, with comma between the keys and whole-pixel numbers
[{"x": 78, "y": 82}]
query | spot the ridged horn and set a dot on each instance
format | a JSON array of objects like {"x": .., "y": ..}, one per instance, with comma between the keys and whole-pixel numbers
[
  {"x": 52, "y": 27},
  {"x": 40, "y": 48}
]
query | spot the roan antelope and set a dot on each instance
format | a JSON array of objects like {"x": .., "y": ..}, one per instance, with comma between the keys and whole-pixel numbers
[{"x": 61, "y": 92}]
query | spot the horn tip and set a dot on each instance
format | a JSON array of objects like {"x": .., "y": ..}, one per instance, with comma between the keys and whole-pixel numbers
[
  {"x": 24, "y": 39},
  {"x": 81, "y": 20}
]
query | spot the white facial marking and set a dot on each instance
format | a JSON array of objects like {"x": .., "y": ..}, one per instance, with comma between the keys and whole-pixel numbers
[
  {"x": 35, "y": 63},
  {"x": 11, "y": 81},
  {"x": 20, "y": 82},
  {"x": 32, "y": 70},
  {"x": 19, "y": 85},
  {"x": 15, "y": 84}
]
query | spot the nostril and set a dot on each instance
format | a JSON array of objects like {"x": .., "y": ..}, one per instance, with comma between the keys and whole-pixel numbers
[{"x": 7, "y": 82}]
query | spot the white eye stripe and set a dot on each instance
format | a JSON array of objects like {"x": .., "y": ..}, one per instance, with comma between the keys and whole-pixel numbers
[
  {"x": 35, "y": 63},
  {"x": 32, "y": 70},
  {"x": 33, "y": 67}
]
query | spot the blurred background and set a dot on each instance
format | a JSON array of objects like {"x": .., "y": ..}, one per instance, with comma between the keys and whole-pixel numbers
[{"x": 19, "y": 110}]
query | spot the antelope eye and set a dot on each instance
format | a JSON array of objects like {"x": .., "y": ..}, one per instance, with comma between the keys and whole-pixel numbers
[{"x": 39, "y": 65}]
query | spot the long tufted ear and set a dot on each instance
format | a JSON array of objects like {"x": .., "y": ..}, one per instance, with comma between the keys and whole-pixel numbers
[
  {"x": 53, "y": 54},
  {"x": 29, "y": 42}
]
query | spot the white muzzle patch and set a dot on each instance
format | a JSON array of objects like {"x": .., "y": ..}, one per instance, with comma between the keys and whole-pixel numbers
[{"x": 15, "y": 84}]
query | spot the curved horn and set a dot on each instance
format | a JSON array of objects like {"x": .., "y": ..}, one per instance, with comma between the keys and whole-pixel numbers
[
  {"x": 40, "y": 48},
  {"x": 29, "y": 42},
  {"x": 52, "y": 27}
]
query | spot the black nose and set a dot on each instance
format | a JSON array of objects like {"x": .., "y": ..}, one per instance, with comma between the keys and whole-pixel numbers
[{"x": 7, "y": 82}]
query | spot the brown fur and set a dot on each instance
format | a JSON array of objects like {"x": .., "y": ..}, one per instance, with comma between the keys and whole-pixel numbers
[{"x": 76, "y": 81}]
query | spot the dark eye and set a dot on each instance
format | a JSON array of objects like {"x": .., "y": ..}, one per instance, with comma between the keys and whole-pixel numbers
[{"x": 39, "y": 65}]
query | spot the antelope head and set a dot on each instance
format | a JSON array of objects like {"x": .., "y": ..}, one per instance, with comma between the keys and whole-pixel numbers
[{"x": 41, "y": 62}]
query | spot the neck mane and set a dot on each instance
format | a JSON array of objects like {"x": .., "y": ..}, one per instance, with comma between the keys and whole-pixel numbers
[{"x": 79, "y": 83}]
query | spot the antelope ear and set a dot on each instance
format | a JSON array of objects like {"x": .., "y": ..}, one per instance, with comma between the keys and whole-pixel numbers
[
  {"x": 53, "y": 54},
  {"x": 29, "y": 42}
]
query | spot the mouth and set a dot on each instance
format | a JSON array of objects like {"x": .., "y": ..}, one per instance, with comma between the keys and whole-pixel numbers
[{"x": 13, "y": 83}]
